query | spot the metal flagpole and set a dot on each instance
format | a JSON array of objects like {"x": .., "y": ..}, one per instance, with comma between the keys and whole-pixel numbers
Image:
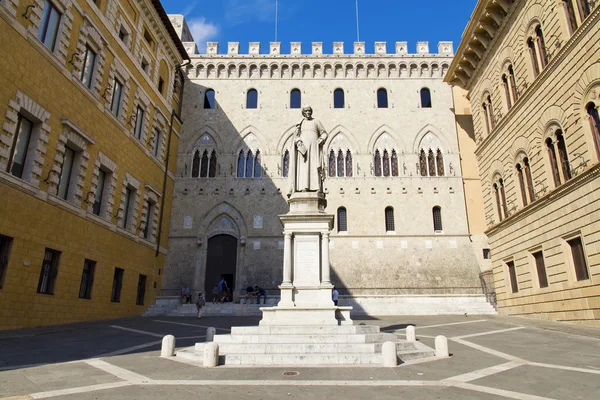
[
  {"x": 357, "y": 29},
  {"x": 276, "y": 17}
]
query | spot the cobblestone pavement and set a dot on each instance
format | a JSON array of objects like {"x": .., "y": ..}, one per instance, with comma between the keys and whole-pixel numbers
[{"x": 491, "y": 358}]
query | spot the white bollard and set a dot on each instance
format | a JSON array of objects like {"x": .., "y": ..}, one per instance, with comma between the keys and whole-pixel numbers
[
  {"x": 211, "y": 355},
  {"x": 388, "y": 354},
  {"x": 441, "y": 346},
  {"x": 210, "y": 334},
  {"x": 411, "y": 334},
  {"x": 168, "y": 346}
]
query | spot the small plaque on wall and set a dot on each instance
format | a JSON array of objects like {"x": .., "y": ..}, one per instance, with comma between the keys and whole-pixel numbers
[
  {"x": 280, "y": 244},
  {"x": 188, "y": 222},
  {"x": 256, "y": 245},
  {"x": 428, "y": 244},
  {"x": 258, "y": 222}
]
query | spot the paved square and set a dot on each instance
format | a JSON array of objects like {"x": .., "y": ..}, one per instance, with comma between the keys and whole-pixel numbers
[{"x": 492, "y": 358}]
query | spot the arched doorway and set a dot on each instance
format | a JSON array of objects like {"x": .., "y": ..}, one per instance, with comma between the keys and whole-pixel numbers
[{"x": 221, "y": 259}]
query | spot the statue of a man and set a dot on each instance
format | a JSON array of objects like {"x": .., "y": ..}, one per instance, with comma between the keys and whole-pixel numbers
[{"x": 307, "y": 163}]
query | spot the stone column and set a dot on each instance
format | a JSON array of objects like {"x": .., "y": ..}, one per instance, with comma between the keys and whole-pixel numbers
[
  {"x": 325, "y": 275},
  {"x": 287, "y": 259}
]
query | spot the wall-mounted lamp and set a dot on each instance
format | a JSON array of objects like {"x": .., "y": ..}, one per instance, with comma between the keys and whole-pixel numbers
[
  {"x": 87, "y": 197},
  {"x": 107, "y": 92},
  {"x": 74, "y": 56},
  {"x": 50, "y": 173},
  {"x": 27, "y": 12},
  {"x": 132, "y": 119},
  {"x": 117, "y": 213}
]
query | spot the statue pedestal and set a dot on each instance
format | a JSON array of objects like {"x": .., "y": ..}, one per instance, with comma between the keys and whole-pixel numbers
[{"x": 306, "y": 287}]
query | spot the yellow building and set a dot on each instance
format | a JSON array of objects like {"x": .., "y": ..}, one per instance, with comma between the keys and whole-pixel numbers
[
  {"x": 532, "y": 69},
  {"x": 89, "y": 99}
]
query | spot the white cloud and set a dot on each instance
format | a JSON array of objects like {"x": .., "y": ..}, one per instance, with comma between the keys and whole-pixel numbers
[
  {"x": 202, "y": 31},
  {"x": 240, "y": 11}
]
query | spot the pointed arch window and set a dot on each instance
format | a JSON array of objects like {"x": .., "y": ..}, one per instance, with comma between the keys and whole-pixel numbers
[
  {"x": 437, "y": 219},
  {"x": 553, "y": 162},
  {"x": 377, "y": 163},
  {"x": 340, "y": 163},
  {"x": 390, "y": 226},
  {"x": 501, "y": 206},
  {"x": 249, "y": 164},
  {"x": 339, "y": 98},
  {"x": 257, "y": 165},
  {"x": 252, "y": 99},
  {"x": 342, "y": 220},
  {"x": 212, "y": 165},
  {"x": 594, "y": 118},
  {"x": 521, "y": 177},
  {"x": 348, "y": 163},
  {"x": 507, "y": 94},
  {"x": 541, "y": 45},
  {"x": 295, "y": 98},
  {"x": 286, "y": 163},
  {"x": 209, "y": 99},
  {"x": 196, "y": 164},
  {"x": 331, "y": 163},
  {"x": 241, "y": 165},
  {"x": 439, "y": 161},
  {"x": 425, "y": 98},
  {"x": 563, "y": 157},
  {"x": 204, "y": 165},
  {"x": 570, "y": 12},
  {"x": 394, "y": 163},
  {"x": 490, "y": 108},
  {"x": 386, "y": 163},
  {"x": 382, "y": 98},
  {"x": 423, "y": 163},
  {"x": 532, "y": 54},
  {"x": 513, "y": 83},
  {"x": 528, "y": 179},
  {"x": 431, "y": 163},
  {"x": 486, "y": 118}
]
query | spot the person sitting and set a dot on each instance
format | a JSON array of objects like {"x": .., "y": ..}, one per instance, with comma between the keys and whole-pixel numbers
[
  {"x": 249, "y": 294},
  {"x": 186, "y": 296},
  {"x": 260, "y": 292}
]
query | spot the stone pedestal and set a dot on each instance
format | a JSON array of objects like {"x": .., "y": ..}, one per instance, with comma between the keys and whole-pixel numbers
[{"x": 306, "y": 287}]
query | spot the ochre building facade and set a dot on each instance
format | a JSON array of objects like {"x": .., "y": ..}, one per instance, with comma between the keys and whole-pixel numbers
[
  {"x": 89, "y": 92},
  {"x": 532, "y": 69}
]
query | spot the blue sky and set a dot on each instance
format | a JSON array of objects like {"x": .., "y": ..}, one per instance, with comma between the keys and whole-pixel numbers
[{"x": 324, "y": 21}]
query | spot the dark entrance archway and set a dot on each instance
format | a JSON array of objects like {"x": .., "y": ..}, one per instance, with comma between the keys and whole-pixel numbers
[{"x": 221, "y": 259}]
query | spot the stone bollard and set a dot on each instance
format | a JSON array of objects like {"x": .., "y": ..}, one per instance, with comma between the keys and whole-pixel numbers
[
  {"x": 388, "y": 354},
  {"x": 168, "y": 346},
  {"x": 441, "y": 346},
  {"x": 211, "y": 354},
  {"x": 210, "y": 334},
  {"x": 411, "y": 334}
]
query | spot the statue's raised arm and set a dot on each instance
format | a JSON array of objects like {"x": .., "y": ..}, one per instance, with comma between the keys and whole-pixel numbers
[{"x": 307, "y": 163}]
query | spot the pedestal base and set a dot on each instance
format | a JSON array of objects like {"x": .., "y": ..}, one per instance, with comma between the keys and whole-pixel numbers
[{"x": 305, "y": 316}]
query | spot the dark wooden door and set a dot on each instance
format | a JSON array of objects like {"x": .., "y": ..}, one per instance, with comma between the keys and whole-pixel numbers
[{"x": 221, "y": 261}]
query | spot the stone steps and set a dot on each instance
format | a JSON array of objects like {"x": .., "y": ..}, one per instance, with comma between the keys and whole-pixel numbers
[
  {"x": 304, "y": 330},
  {"x": 305, "y": 339}
]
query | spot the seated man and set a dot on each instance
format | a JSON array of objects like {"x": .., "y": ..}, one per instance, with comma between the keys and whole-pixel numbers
[
  {"x": 260, "y": 292},
  {"x": 186, "y": 296},
  {"x": 249, "y": 294}
]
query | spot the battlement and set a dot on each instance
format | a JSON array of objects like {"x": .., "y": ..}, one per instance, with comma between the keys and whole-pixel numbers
[{"x": 445, "y": 49}]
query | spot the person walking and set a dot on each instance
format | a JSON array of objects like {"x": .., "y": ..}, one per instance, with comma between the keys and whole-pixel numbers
[
  {"x": 222, "y": 289},
  {"x": 335, "y": 295},
  {"x": 200, "y": 302}
]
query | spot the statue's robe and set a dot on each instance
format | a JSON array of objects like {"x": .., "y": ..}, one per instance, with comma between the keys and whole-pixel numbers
[{"x": 305, "y": 168}]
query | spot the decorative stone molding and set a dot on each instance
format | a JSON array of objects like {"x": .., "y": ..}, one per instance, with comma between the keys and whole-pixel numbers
[
  {"x": 446, "y": 48},
  {"x": 254, "y": 48},
  {"x": 11, "y": 6},
  {"x": 296, "y": 48},
  {"x": 275, "y": 48},
  {"x": 380, "y": 48},
  {"x": 422, "y": 47},
  {"x": 317, "y": 48},
  {"x": 402, "y": 48},
  {"x": 102, "y": 161},
  {"x": 359, "y": 48},
  {"x": 233, "y": 48},
  {"x": 338, "y": 47},
  {"x": 22, "y": 104},
  {"x": 66, "y": 24}
]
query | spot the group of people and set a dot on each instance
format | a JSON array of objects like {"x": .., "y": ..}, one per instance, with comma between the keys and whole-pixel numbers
[{"x": 255, "y": 292}]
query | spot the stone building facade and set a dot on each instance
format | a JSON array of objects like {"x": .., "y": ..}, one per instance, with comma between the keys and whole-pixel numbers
[
  {"x": 394, "y": 175},
  {"x": 532, "y": 69},
  {"x": 88, "y": 93}
]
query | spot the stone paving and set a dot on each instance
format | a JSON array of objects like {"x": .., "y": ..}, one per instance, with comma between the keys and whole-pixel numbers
[{"x": 491, "y": 358}]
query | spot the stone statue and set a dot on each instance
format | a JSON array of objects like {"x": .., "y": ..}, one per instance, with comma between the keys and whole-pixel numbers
[{"x": 307, "y": 163}]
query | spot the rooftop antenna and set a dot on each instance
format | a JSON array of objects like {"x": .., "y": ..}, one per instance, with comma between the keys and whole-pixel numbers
[
  {"x": 276, "y": 17},
  {"x": 357, "y": 29}
]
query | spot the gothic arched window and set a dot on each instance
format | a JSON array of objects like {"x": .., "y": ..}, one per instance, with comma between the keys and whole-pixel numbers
[
  {"x": 204, "y": 165},
  {"x": 212, "y": 165},
  {"x": 541, "y": 44},
  {"x": 431, "y": 163},
  {"x": 340, "y": 163},
  {"x": 377, "y": 163},
  {"x": 394, "y": 163},
  {"x": 437, "y": 219},
  {"x": 331, "y": 163},
  {"x": 338, "y": 98},
  {"x": 196, "y": 164},
  {"x": 209, "y": 99},
  {"x": 286, "y": 163},
  {"x": 594, "y": 118},
  {"x": 390, "y": 226},
  {"x": 257, "y": 165},
  {"x": 295, "y": 98},
  {"x": 342, "y": 220},
  {"x": 386, "y": 163},
  {"x": 249, "y": 164},
  {"x": 439, "y": 160},
  {"x": 564, "y": 158},
  {"x": 252, "y": 99},
  {"x": 241, "y": 166},
  {"x": 529, "y": 179},
  {"x": 348, "y": 163},
  {"x": 521, "y": 177},
  {"x": 382, "y": 98},
  {"x": 532, "y": 54},
  {"x": 425, "y": 98},
  {"x": 423, "y": 163},
  {"x": 553, "y": 162}
]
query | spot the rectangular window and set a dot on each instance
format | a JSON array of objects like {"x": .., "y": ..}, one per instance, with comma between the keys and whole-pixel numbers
[
  {"x": 155, "y": 145},
  {"x": 581, "y": 270},
  {"x": 20, "y": 147},
  {"x": 49, "y": 25},
  {"x": 124, "y": 35},
  {"x": 487, "y": 254},
  {"x": 49, "y": 272},
  {"x": 127, "y": 204},
  {"x": 513, "y": 276},
  {"x": 66, "y": 172},
  {"x": 115, "y": 296},
  {"x": 149, "y": 215},
  {"x": 139, "y": 122},
  {"x": 87, "y": 69},
  {"x": 115, "y": 102},
  {"x": 87, "y": 279},
  {"x": 141, "y": 290},
  {"x": 342, "y": 220},
  {"x": 5, "y": 247},
  {"x": 145, "y": 65},
  {"x": 98, "y": 200},
  {"x": 541, "y": 269},
  {"x": 147, "y": 37}
]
